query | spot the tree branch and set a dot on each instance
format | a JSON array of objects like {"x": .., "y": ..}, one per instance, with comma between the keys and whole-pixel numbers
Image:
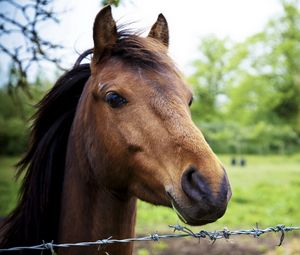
[{"x": 21, "y": 20}]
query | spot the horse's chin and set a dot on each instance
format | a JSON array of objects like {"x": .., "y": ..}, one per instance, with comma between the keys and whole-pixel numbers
[{"x": 195, "y": 215}]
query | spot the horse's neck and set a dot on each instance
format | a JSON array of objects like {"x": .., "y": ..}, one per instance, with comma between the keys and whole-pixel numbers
[{"x": 90, "y": 214}]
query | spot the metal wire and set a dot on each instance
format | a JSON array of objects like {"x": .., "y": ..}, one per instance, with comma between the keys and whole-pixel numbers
[{"x": 183, "y": 233}]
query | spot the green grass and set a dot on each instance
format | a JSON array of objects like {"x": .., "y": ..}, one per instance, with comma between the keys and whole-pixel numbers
[{"x": 266, "y": 191}]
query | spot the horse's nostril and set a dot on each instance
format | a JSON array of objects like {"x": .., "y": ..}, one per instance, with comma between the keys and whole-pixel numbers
[
  {"x": 205, "y": 204},
  {"x": 194, "y": 185}
]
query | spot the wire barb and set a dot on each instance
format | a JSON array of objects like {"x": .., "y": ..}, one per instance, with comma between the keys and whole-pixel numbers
[
  {"x": 281, "y": 228},
  {"x": 183, "y": 232},
  {"x": 155, "y": 237},
  {"x": 226, "y": 233},
  {"x": 49, "y": 246}
]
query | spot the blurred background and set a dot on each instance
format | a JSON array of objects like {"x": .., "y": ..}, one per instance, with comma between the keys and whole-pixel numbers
[{"x": 242, "y": 61}]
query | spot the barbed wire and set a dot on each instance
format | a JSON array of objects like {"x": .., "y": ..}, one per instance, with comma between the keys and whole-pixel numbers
[{"x": 184, "y": 232}]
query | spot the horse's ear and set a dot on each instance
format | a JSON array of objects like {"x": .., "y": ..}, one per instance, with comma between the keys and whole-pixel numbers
[
  {"x": 160, "y": 30},
  {"x": 104, "y": 33}
]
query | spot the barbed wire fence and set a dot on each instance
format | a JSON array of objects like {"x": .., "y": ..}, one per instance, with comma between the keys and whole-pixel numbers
[{"x": 182, "y": 232}]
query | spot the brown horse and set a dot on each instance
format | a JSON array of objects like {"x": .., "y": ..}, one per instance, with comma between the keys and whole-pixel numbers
[{"x": 111, "y": 132}]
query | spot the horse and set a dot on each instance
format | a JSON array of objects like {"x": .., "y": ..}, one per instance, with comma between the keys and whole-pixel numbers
[{"x": 110, "y": 132}]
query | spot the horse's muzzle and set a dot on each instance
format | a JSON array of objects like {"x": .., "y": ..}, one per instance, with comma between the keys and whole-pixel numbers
[{"x": 205, "y": 206}]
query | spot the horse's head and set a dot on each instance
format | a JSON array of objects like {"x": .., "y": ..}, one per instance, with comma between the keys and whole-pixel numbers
[{"x": 138, "y": 127}]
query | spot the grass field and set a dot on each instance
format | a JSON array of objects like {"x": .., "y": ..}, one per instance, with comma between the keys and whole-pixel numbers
[{"x": 266, "y": 191}]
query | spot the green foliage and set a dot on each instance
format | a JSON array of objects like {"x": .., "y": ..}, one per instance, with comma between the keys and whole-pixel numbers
[
  {"x": 247, "y": 94},
  {"x": 211, "y": 72},
  {"x": 13, "y": 137},
  {"x": 259, "y": 138},
  {"x": 111, "y": 2},
  {"x": 276, "y": 62},
  {"x": 16, "y": 108},
  {"x": 8, "y": 188}
]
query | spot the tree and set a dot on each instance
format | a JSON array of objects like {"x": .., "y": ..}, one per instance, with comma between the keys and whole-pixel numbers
[
  {"x": 274, "y": 68},
  {"x": 21, "y": 39},
  {"x": 247, "y": 95},
  {"x": 215, "y": 68},
  {"x": 111, "y": 2}
]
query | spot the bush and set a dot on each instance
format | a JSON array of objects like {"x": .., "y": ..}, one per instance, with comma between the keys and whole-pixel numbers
[
  {"x": 261, "y": 138},
  {"x": 13, "y": 136},
  {"x": 15, "y": 112}
]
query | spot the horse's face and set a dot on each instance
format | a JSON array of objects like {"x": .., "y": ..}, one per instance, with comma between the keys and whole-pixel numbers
[{"x": 143, "y": 126}]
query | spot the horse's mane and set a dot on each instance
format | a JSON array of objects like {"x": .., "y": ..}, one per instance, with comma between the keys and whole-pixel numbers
[
  {"x": 36, "y": 217},
  {"x": 37, "y": 214}
]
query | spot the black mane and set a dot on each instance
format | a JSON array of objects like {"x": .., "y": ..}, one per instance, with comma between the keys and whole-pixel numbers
[{"x": 36, "y": 217}]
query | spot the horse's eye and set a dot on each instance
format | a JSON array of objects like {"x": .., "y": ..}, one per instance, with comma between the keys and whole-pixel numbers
[
  {"x": 191, "y": 101},
  {"x": 114, "y": 99}
]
